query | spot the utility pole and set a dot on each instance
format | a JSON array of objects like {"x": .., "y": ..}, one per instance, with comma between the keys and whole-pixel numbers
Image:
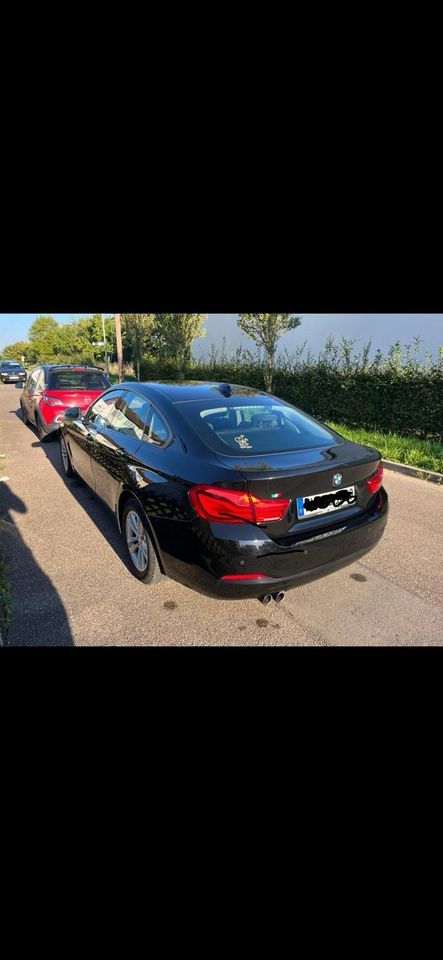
[
  {"x": 119, "y": 345},
  {"x": 105, "y": 345}
]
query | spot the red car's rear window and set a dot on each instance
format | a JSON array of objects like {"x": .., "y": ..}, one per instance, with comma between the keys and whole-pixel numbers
[{"x": 77, "y": 380}]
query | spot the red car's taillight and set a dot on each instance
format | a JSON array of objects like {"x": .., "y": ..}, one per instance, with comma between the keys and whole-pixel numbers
[
  {"x": 234, "y": 506},
  {"x": 52, "y": 401},
  {"x": 374, "y": 482}
]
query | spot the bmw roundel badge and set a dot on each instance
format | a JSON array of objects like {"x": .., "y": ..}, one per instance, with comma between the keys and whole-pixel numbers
[{"x": 337, "y": 479}]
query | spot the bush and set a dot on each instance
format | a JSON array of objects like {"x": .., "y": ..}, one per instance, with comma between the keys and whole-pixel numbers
[{"x": 393, "y": 393}]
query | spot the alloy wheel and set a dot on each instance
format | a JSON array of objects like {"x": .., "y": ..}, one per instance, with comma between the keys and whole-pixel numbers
[{"x": 137, "y": 541}]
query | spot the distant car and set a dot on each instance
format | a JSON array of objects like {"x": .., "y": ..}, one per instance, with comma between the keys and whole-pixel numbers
[
  {"x": 12, "y": 372},
  {"x": 224, "y": 488},
  {"x": 51, "y": 389}
]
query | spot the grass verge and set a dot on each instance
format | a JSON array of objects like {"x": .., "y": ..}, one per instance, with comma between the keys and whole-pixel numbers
[{"x": 413, "y": 451}]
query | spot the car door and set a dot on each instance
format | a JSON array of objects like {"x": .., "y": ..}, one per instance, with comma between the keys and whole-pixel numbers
[
  {"x": 114, "y": 456},
  {"x": 84, "y": 436}
]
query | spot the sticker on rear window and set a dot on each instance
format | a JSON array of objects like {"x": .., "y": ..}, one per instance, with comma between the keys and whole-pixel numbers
[{"x": 243, "y": 442}]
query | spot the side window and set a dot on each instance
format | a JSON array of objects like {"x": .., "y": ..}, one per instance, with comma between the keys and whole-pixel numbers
[
  {"x": 130, "y": 418},
  {"x": 156, "y": 430},
  {"x": 41, "y": 380},
  {"x": 32, "y": 382},
  {"x": 103, "y": 409}
]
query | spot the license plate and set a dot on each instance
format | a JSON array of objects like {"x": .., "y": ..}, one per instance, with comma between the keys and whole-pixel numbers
[{"x": 325, "y": 503}]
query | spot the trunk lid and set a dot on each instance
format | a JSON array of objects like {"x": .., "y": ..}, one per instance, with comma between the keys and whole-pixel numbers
[
  {"x": 308, "y": 473},
  {"x": 74, "y": 398}
]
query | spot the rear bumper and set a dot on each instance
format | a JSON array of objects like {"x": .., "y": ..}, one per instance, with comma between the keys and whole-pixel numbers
[
  {"x": 216, "y": 553},
  {"x": 325, "y": 553},
  {"x": 52, "y": 427}
]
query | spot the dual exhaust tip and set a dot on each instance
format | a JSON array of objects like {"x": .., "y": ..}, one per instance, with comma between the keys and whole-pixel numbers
[{"x": 278, "y": 597}]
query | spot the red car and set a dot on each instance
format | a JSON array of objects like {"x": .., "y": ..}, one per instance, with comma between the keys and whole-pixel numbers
[{"x": 51, "y": 389}]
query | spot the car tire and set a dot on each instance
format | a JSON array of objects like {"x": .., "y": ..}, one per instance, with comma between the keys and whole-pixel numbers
[
  {"x": 25, "y": 419},
  {"x": 42, "y": 436},
  {"x": 68, "y": 469},
  {"x": 142, "y": 557}
]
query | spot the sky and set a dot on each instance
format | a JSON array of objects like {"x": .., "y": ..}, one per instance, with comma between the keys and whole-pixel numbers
[{"x": 382, "y": 328}]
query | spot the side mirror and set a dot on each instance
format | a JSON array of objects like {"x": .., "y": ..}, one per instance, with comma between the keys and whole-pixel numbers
[{"x": 72, "y": 414}]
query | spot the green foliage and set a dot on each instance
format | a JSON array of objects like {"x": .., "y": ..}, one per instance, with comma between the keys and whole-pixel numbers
[
  {"x": 43, "y": 328},
  {"x": 265, "y": 329},
  {"x": 395, "y": 393},
  {"x": 42, "y": 337},
  {"x": 138, "y": 327},
  {"x": 51, "y": 342},
  {"x": 16, "y": 351},
  {"x": 426, "y": 454},
  {"x": 172, "y": 337}
]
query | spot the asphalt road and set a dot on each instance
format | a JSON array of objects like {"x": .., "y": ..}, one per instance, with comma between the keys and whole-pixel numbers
[{"x": 71, "y": 586}]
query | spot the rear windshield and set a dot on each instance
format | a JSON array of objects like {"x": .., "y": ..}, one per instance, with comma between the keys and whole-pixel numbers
[
  {"x": 251, "y": 428},
  {"x": 77, "y": 380}
]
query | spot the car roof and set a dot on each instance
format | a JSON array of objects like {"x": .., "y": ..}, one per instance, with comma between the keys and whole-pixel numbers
[{"x": 180, "y": 390}]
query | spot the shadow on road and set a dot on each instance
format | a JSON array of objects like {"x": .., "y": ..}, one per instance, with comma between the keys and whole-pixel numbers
[
  {"x": 97, "y": 511},
  {"x": 39, "y": 618}
]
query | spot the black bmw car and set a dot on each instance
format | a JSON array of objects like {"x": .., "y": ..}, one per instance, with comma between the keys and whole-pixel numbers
[{"x": 225, "y": 489}]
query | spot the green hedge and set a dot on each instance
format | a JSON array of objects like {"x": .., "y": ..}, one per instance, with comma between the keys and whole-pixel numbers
[{"x": 407, "y": 400}]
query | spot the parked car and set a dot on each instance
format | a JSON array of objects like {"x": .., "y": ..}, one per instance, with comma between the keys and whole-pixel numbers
[
  {"x": 12, "y": 372},
  {"x": 225, "y": 489},
  {"x": 51, "y": 389}
]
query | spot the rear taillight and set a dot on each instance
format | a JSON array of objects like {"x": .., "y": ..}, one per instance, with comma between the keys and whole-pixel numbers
[
  {"x": 234, "y": 506},
  {"x": 374, "y": 482},
  {"x": 52, "y": 401}
]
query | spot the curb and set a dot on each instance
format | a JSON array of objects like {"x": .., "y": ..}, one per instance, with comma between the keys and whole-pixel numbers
[{"x": 430, "y": 475}]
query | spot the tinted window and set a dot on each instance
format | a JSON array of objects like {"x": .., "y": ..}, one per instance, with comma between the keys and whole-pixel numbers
[
  {"x": 8, "y": 365},
  {"x": 156, "y": 430},
  {"x": 255, "y": 428},
  {"x": 77, "y": 380},
  {"x": 130, "y": 417},
  {"x": 103, "y": 409},
  {"x": 32, "y": 382}
]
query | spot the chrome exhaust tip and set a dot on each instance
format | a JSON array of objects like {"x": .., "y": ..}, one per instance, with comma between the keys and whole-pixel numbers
[
  {"x": 266, "y": 599},
  {"x": 278, "y": 597}
]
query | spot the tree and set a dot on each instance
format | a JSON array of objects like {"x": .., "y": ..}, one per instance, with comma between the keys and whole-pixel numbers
[
  {"x": 138, "y": 327},
  {"x": 266, "y": 329},
  {"x": 73, "y": 344},
  {"x": 172, "y": 336},
  {"x": 15, "y": 351},
  {"x": 42, "y": 337}
]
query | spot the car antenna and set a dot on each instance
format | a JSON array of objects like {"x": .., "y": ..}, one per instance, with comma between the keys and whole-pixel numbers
[{"x": 225, "y": 389}]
